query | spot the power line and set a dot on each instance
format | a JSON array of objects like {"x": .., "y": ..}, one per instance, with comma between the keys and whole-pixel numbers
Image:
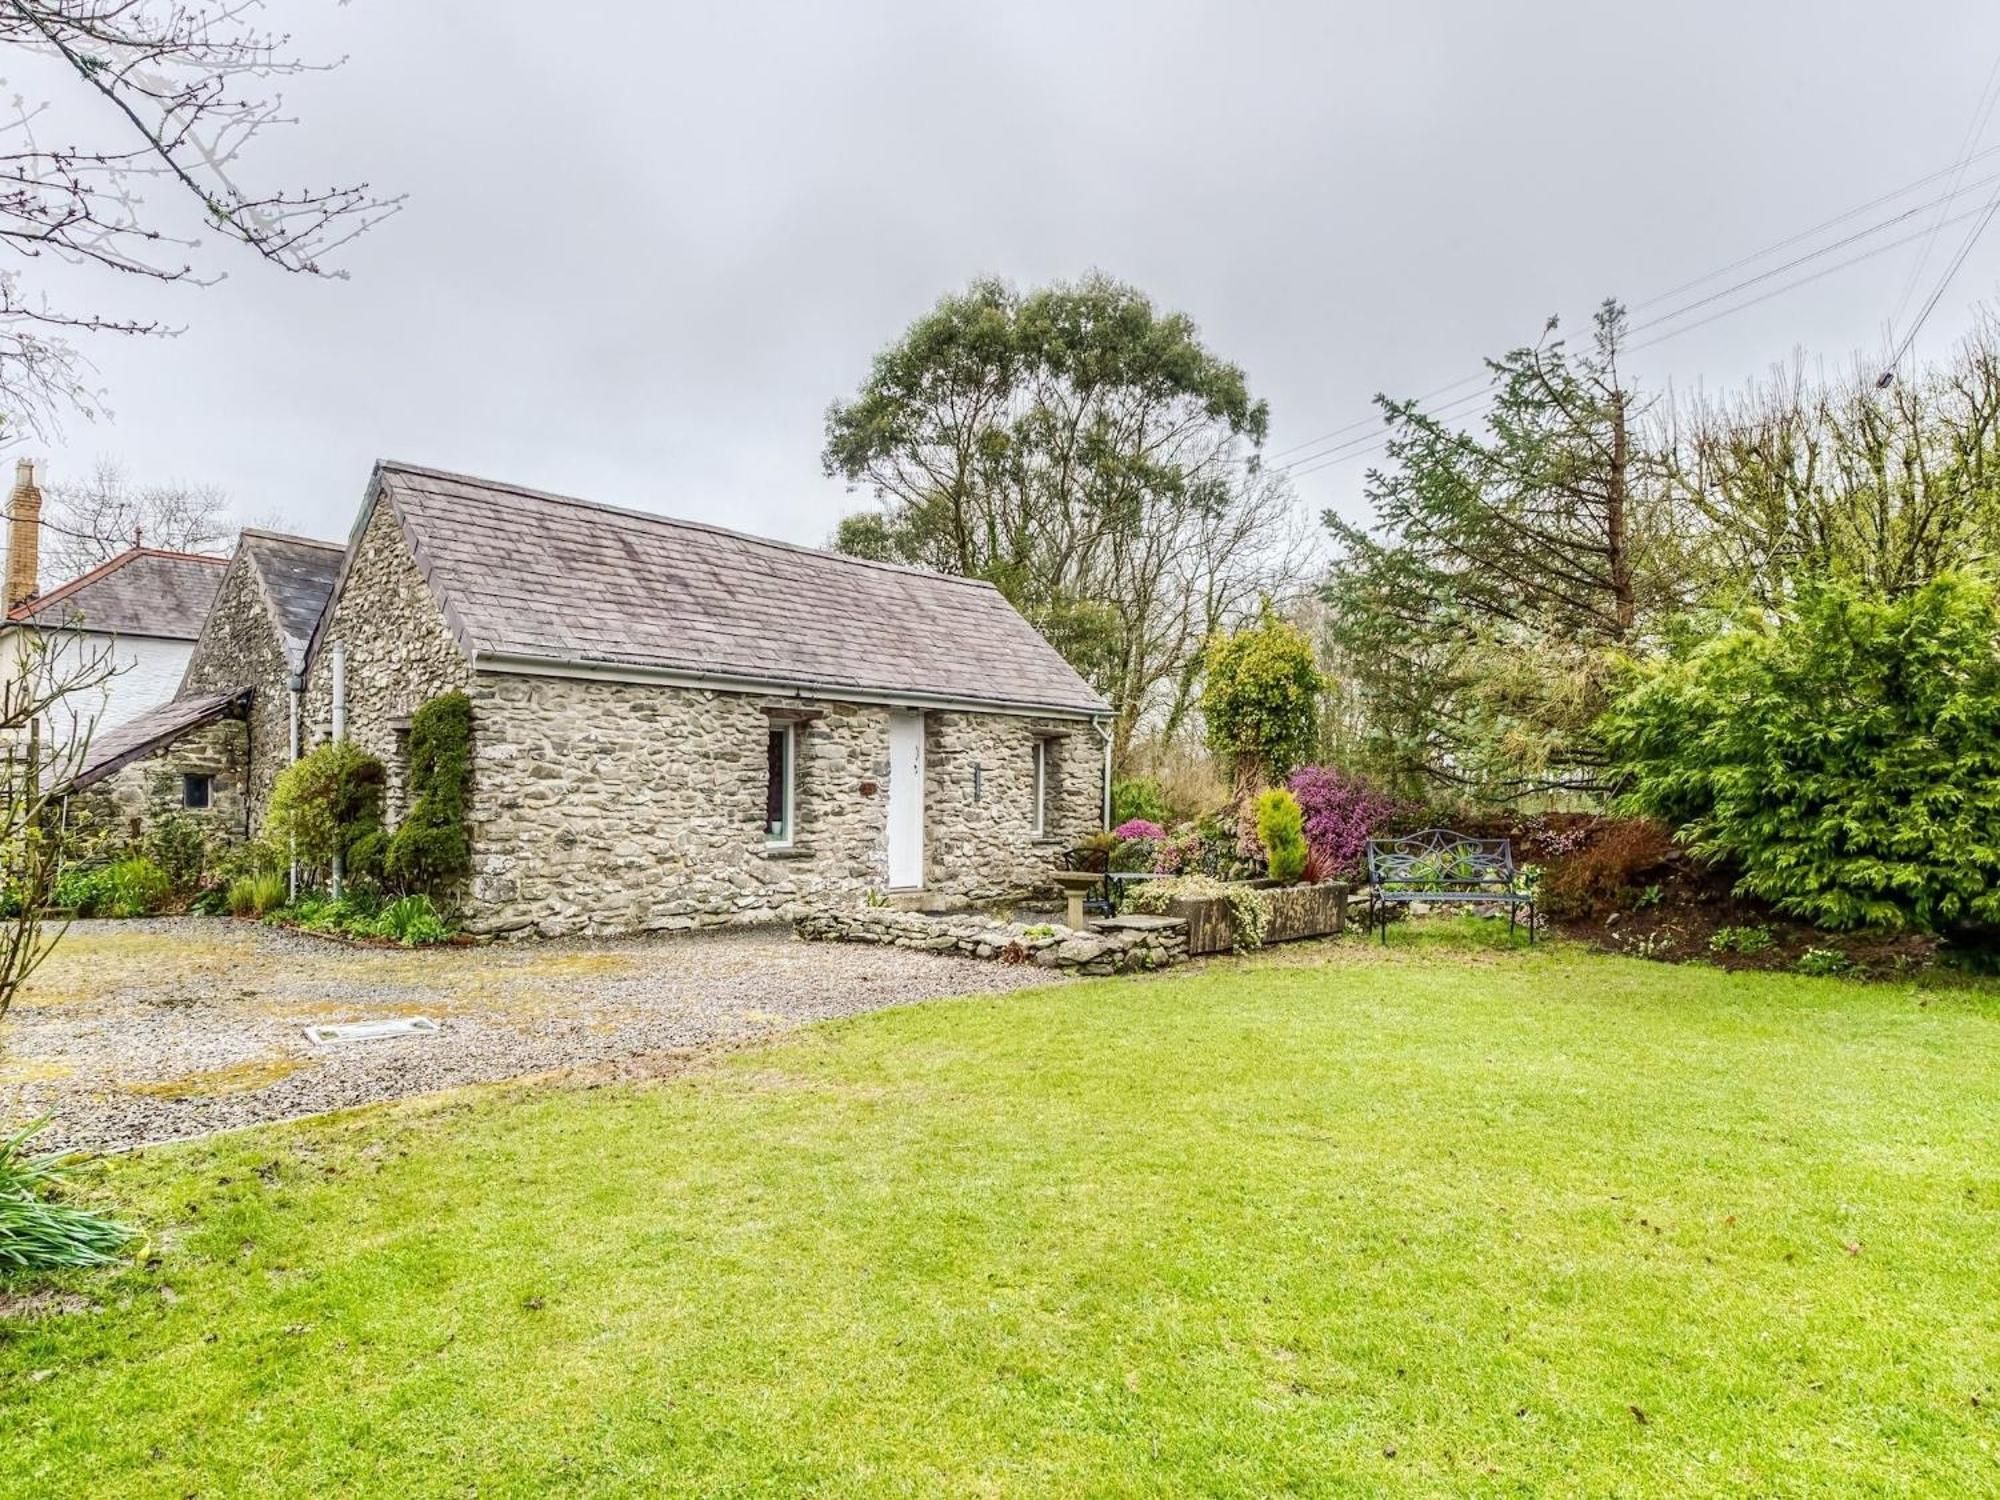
[
  {"x": 1364, "y": 447},
  {"x": 1982, "y": 113},
  {"x": 1942, "y": 202},
  {"x": 1825, "y": 224},
  {"x": 1944, "y": 281}
]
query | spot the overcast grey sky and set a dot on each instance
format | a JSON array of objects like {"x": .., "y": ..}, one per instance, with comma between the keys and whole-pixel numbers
[{"x": 645, "y": 245}]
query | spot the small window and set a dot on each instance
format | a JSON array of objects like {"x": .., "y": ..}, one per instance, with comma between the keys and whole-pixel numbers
[
  {"x": 779, "y": 797},
  {"x": 1041, "y": 787},
  {"x": 195, "y": 790}
]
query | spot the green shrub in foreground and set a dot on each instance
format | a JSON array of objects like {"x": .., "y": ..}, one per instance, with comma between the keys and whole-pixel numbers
[
  {"x": 1846, "y": 759},
  {"x": 38, "y": 1233}
]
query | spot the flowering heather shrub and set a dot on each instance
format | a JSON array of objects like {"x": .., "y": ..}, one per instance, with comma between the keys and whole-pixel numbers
[
  {"x": 1342, "y": 814},
  {"x": 1139, "y": 828}
]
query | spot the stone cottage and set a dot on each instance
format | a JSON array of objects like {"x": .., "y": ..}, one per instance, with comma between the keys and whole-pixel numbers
[
  {"x": 676, "y": 725},
  {"x": 213, "y": 750}
]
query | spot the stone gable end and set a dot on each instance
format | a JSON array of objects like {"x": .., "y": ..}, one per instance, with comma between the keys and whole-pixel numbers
[{"x": 240, "y": 647}]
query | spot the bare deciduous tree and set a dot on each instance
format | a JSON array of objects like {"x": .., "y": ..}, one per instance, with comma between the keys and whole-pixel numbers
[
  {"x": 1804, "y": 478},
  {"x": 44, "y": 738},
  {"x": 89, "y": 521},
  {"x": 183, "y": 88}
]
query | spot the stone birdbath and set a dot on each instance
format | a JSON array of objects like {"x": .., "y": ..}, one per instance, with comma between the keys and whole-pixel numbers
[{"x": 1076, "y": 884}]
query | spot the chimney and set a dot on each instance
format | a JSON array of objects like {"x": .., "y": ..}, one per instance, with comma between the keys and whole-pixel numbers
[{"x": 24, "y": 535}]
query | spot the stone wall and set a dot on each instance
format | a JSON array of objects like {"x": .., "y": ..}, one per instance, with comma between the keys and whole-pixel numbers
[
  {"x": 126, "y": 803},
  {"x": 239, "y": 647},
  {"x": 399, "y": 653},
  {"x": 979, "y": 800},
  {"x": 1120, "y": 946},
  {"x": 605, "y": 807}
]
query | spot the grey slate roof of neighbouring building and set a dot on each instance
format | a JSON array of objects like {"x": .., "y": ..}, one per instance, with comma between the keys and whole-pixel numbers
[
  {"x": 298, "y": 575},
  {"x": 141, "y": 591},
  {"x": 118, "y": 747},
  {"x": 526, "y": 577}
]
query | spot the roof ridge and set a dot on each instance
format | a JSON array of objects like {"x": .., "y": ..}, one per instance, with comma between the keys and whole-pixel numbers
[
  {"x": 264, "y": 533},
  {"x": 655, "y": 518}
]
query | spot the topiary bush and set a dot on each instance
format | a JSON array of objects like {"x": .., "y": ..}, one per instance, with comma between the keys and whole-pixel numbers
[
  {"x": 1280, "y": 827},
  {"x": 324, "y": 804},
  {"x": 1261, "y": 699},
  {"x": 432, "y": 850},
  {"x": 1846, "y": 758}
]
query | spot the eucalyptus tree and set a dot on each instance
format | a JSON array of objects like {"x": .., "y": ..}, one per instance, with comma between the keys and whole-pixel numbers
[{"x": 1089, "y": 455}]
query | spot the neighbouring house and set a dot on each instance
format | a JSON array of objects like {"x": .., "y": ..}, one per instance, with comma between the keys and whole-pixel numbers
[
  {"x": 213, "y": 750},
  {"x": 676, "y": 725},
  {"x": 128, "y": 625}
]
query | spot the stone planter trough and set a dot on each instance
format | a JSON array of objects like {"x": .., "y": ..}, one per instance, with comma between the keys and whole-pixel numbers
[{"x": 1296, "y": 911}]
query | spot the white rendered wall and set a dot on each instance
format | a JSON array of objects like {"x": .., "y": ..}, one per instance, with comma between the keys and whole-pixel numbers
[{"x": 149, "y": 674}]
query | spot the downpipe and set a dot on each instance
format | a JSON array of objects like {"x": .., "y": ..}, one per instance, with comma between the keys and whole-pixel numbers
[{"x": 1104, "y": 734}]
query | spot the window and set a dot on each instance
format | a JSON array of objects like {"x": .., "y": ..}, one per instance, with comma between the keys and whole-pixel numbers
[
  {"x": 1041, "y": 809},
  {"x": 195, "y": 790},
  {"x": 780, "y": 798}
]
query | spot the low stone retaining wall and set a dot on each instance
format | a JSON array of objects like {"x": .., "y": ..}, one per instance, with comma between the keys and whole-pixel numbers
[{"x": 1116, "y": 945}]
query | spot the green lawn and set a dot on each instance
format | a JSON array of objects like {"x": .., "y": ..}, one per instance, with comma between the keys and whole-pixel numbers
[{"x": 1441, "y": 1222}]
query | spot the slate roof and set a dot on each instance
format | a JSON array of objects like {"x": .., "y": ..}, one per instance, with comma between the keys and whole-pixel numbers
[
  {"x": 529, "y": 577},
  {"x": 118, "y": 747},
  {"x": 298, "y": 575},
  {"x": 141, "y": 591}
]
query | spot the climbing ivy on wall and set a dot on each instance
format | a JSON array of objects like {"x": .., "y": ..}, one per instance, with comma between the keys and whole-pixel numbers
[{"x": 432, "y": 848}]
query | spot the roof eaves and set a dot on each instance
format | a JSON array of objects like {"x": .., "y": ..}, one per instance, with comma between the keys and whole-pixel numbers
[{"x": 599, "y": 670}]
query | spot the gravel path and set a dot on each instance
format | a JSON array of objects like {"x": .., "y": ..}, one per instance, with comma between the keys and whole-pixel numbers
[{"x": 136, "y": 1032}]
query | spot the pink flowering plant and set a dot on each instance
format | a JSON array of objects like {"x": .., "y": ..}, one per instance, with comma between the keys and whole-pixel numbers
[
  {"x": 1342, "y": 813},
  {"x": 1138, "y": 841}
]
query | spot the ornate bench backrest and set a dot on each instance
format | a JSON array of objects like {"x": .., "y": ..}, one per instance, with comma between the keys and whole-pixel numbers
[{"x": 1439, "y": 860}]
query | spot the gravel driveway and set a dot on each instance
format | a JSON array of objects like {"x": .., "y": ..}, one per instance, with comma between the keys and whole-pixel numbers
[{"x": 135, "y": 1032}]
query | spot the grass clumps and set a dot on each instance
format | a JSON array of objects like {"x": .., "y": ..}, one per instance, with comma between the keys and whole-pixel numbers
[
  {"x": 38, "y": 1231},
  {"x": 256, "y": 895},
  {"x": 131, "y": 887}
]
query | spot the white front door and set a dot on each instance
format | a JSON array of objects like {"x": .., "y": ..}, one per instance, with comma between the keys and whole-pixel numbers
[{"x": 906, "y": 801}]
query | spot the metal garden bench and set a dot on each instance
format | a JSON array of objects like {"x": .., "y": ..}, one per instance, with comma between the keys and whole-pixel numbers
[{"x": 1439, "y": 865}]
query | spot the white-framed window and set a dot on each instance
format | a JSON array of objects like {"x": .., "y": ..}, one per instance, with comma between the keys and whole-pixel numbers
[
  {"x": 780, "y": 785},
  {"x": 197, "y": 791},
  {"x": 1041, "y": 788}
]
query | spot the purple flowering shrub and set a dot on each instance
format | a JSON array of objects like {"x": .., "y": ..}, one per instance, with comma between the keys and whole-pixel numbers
[
  {"x": 1139, "y": 828},
  {"x": 1341, "y": 814}
]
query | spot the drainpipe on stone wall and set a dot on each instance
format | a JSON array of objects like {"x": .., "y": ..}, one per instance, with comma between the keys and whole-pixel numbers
[
  {"x": 1105, "y": 735},
  {"x": 339, "y": 734},
  {"x": 296, "y": 685}
]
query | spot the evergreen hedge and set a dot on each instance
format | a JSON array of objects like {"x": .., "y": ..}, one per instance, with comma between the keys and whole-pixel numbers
[
  {"x": 431, "y": 849},
  {"x": 1845, "y": 758}
]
